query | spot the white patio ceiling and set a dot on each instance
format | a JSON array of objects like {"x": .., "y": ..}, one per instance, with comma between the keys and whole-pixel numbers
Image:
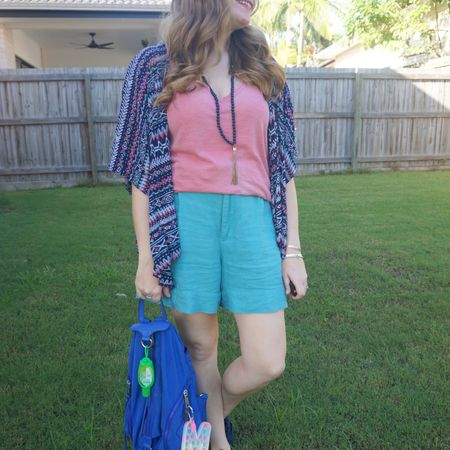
[
  {"x": 49, "y": 27},
  {"x": 133, "y": 5}
]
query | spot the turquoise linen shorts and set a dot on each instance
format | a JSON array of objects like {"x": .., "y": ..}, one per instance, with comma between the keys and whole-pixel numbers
[{"x": 229, "y": 255}]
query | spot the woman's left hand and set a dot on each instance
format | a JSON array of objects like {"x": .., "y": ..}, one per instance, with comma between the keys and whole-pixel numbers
[{"x": 294, "y": 270}]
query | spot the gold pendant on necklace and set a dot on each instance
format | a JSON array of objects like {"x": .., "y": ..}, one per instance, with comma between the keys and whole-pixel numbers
[{"x": 234, "y": 178}]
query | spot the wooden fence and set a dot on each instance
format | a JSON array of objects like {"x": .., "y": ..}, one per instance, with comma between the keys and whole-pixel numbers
[{"x": 57, "y": 125}]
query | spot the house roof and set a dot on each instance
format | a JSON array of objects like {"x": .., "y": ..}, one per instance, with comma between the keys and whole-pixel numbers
[
  {"x": 333, "y": 50},
  {"x": 108, "y": 5}
]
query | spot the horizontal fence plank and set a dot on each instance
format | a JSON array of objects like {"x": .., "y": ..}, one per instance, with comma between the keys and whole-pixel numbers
[
  {"x": 400, "y": 75},
  {"x": 345, "y": 160},
  {"x": 46, "y": 170},
  {"x": 301, "y": 115},
  {"x": 60, "y": 77},
  {"x": 56, "y": 120},
  {"x": 396, "y": 158}
]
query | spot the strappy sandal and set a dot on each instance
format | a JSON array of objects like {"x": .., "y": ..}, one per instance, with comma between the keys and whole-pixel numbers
[{"x": 229, "y": 431}]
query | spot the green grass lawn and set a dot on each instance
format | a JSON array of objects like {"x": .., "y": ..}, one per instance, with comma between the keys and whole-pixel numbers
[{"x": 368, "y": 346}]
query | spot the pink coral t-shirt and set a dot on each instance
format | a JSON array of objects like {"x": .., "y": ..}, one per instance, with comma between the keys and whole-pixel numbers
[{"x": 202, "y": 159}]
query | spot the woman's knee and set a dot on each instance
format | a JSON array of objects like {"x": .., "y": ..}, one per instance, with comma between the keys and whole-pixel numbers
[
  {"x": 263, "y": 343},
  {"x": 265, "y": 367},
  {"x": 203, "y": 349},
  {"x": 199, "y": 332}
]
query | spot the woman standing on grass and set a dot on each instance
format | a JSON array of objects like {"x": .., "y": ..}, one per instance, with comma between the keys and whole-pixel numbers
[{"x": 219, "y": 209}]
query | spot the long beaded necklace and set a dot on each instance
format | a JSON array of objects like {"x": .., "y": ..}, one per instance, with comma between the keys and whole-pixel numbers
[{"x": 234, "y": 177}]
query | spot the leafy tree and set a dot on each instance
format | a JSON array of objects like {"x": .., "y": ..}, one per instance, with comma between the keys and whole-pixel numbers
[
  {"x": 296, "y": 28},
  {"x": 405, "y": 25}
]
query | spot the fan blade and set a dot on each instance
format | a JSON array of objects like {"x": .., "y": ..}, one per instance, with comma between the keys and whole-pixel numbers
[{"x": 103, "y": 45}]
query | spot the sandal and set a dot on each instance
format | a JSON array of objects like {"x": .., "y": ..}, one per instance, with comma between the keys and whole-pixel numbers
[{"x": 229, "y": 431}]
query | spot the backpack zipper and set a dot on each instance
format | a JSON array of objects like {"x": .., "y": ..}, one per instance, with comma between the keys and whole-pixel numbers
[
  {"x": 184, "y": 394},
  {"x": 187, "y": 405}
]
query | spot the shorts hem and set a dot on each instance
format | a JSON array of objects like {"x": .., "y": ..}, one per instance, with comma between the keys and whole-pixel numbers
[
  {"x": 253, "y": 311},
  {"x": 188, "y": 312}
]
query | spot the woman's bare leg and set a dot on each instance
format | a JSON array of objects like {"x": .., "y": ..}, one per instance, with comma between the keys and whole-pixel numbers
[
  {"x": 200, "y": 333},
  {"x": 263, "y": 349}
]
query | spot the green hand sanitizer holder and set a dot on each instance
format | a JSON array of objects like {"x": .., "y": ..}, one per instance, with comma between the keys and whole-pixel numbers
[{"x": 146, "y": 372}]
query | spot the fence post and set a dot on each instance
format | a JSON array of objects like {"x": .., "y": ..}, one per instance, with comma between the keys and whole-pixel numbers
[
  {"x": 357, "y": 103},
  {"x": 90, "y": 129}
]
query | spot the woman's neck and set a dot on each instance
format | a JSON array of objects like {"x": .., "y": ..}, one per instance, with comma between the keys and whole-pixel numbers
[{"x": 223, "y": 64}]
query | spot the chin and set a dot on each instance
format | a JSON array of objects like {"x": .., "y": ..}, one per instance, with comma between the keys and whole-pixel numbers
[{"x": 241, "y": 13}]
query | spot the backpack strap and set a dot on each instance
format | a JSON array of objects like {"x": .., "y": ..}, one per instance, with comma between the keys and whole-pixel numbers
[{"x": 141, "y": 307}]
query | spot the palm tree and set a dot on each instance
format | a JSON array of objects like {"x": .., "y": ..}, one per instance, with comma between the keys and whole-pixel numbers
[{"x": 295, "y": 21}]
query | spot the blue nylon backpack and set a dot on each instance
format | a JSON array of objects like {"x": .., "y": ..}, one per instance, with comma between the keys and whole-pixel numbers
[{"x": 156, "y": 422}]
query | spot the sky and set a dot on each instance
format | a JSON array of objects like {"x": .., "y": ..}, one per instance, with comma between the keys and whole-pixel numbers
[{"x": 336, "y": 25}]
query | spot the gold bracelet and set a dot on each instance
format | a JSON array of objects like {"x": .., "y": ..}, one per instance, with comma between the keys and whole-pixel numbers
[{"x": 293, "y": 255}]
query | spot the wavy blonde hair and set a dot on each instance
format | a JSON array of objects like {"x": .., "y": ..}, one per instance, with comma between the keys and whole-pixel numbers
[{"x": 195, "y": 29}]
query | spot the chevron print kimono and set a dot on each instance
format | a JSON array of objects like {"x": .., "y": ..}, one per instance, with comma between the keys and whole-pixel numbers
[{"x": 141, "y": 153}]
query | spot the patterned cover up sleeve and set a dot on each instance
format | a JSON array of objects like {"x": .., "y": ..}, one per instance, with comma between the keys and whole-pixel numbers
[
  {"x": 290, "y": 133},
  {"x": 130, "y": 149}
]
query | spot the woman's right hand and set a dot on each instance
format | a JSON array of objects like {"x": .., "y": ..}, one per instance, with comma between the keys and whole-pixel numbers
[{"x": 148, "y": 285}]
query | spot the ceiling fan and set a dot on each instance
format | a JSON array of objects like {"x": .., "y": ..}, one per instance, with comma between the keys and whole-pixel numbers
[{"x": 94, "y": 44}]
